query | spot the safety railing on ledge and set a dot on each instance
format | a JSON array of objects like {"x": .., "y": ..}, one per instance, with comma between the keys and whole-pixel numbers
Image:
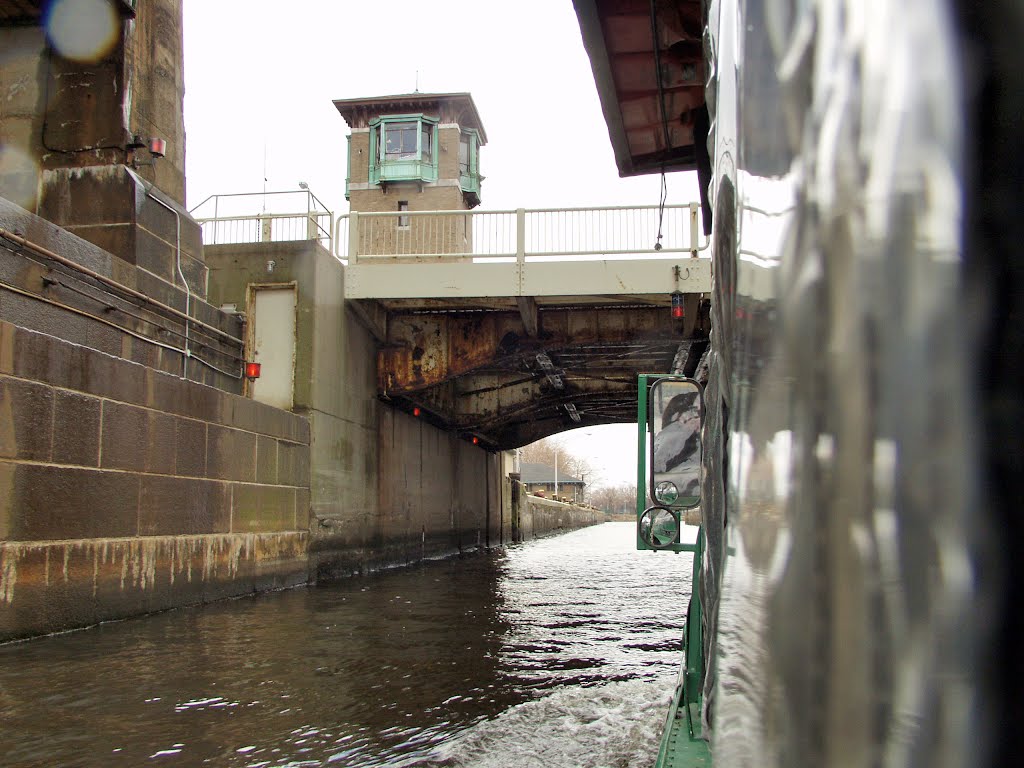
[
  {"x": 559, "y": 233},
  {"x": 447, "y": 236},
  {"x": 299, "y": 215}
]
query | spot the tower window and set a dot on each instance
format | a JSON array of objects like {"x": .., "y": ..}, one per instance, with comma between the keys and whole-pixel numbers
[
  {"x": 400, "y": 141},
  {"x": 426, "y": 143},
  {"x": 403, "y": 221},
  {"x": 464, "y": 152},
  {"x": 469, "y": 165},
  {"x": 402, "y": 149}
]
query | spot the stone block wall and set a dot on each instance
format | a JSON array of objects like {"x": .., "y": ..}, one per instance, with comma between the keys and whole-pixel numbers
[
  {"x": 125, "y": 490},
  {"x": 67, "y": 129},
  {"x": 67, "y": 303}
]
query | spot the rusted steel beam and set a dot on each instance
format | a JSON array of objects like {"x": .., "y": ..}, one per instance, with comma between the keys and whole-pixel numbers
[{"x": 424, "y": 350}]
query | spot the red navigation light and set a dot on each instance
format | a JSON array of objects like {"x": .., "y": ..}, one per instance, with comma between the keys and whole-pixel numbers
[
  {"x": 476, "y": 440},
  {"x": 252, "y": 371},
  {"x": 677, "y": 305},
  {"x": 416, "y": 411}
]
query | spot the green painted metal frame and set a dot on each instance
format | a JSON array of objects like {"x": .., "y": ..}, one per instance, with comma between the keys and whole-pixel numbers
[
  {"x": 470, "y": 182},
  {"x": 682, "y": 743},
  {"x": 682, "y": 740},
  {"x": 644, "y": 383},
  {"x": 404, "y": 170},
  {"x": 348, "y": 164},
  {"x": 643, "y": 387}
]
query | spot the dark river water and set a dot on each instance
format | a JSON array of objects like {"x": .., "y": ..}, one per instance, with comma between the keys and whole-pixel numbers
[{"x": 558, "y": 652}]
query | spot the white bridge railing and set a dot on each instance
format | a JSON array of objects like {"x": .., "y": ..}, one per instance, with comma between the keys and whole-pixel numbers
[
  {"x": 424, "y": 236},
  {"x": 523, "y": 252},
  {"x": 445, "y": 236}
]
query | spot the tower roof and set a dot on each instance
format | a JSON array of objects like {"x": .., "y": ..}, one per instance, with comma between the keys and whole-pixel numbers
[{"x": 451, "y": 107}]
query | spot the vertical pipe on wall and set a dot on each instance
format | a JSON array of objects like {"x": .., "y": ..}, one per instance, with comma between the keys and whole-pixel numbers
[{"x": 181, "y": 274}]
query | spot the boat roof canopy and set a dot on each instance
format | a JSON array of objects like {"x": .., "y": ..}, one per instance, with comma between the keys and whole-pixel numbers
[{"x": 649, "y": 93}]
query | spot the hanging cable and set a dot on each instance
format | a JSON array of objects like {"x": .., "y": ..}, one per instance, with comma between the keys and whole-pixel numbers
[
  {"x": 661, "y": 210},
  {"x": 664, "y": 119}
]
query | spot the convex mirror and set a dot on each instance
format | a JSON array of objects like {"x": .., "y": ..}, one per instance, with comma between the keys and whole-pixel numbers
[
  {"x": 659, "y": 527},
  {"x": 675, "y": 414}
]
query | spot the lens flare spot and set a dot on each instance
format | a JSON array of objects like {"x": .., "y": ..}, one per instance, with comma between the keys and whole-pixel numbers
[
  {"x": 82, "y": 30},
  {"x": 19, "y": 176}
]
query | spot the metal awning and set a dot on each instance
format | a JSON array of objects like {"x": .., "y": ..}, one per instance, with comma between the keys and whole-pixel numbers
[{"x": 651, "y": 94}]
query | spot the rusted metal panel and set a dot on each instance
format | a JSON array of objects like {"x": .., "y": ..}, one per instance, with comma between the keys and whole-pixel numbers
[
  {"x": 482, "y": 374},
  {"x": 417, "y": 355},
  {"x": 425, "y": 350}
]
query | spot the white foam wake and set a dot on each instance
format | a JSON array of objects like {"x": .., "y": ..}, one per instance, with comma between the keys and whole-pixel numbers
[{"x": 616, "y": 725}]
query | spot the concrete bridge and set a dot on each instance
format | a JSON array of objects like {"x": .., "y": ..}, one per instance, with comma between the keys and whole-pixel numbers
[
  {"x": 142, "y": 469},
  {"x": 539, "y": 325}
]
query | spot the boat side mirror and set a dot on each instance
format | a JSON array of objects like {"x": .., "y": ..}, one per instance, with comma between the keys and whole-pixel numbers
[
  {"x": 675, "y": 416},
  {"x": 659, "y": 527}
]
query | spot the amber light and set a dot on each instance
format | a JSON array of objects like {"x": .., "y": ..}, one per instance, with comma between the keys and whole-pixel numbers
[
  {"x": 677, "y": 305},
  {"x": 252, "y": 370}
]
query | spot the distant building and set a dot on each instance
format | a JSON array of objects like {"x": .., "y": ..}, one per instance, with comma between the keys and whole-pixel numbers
[{"x": 540, "y": 477}]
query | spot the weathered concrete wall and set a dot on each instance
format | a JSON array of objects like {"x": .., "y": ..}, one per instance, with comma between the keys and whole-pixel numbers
[
  {"x": 386, "y": 488},
  {"x": 154, "y": 76},
  {"x": 543, "y": 517},
  {"x": 125, "y": 490},
  {"x": 61, "y": 112},
  {"x": 22, "y": 73},
  {"x": 113, "y": 207},
  {"x": 66, "y": 130}
]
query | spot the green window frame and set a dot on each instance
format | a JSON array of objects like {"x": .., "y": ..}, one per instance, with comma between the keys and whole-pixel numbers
[
  {"x": 469, "y": 160},
  {"x": 403, "y": 148}
]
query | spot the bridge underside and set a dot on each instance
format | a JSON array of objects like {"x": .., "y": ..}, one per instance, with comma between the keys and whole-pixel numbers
[{"x": 509, "y": 371}]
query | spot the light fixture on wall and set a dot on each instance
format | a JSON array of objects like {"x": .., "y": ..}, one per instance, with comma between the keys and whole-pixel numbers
[
  {"x": 157, "y": 148},
  {"x": 677, "y": 305},
  {"x": 252, "y": 371}
]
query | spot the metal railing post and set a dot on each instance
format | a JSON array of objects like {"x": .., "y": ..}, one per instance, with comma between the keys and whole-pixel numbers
[
  {"x": 520, "y": 234},
  {"x": 353, "y": 237},
  {"x": 694, "y": 237},
  {"x": 520, "y": 249}
]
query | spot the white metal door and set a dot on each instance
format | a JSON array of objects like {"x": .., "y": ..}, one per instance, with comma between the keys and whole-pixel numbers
[{"x": 273, "y": 337}]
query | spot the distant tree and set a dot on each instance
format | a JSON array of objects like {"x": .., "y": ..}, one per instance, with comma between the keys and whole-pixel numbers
[
  {"x": 570, "y": 465},
  {"x": 616, "y": 499}
]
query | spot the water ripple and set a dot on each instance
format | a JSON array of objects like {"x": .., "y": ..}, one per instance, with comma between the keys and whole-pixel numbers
[{"x": 553, "y": 653}]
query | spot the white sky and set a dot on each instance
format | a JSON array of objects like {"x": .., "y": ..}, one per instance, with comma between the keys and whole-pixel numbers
[{"x": 260, "y": 78}]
